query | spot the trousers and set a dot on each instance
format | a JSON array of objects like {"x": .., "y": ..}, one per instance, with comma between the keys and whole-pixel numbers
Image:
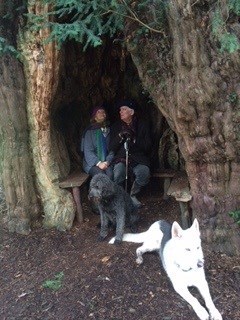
[{"x": 140, "y": 171}]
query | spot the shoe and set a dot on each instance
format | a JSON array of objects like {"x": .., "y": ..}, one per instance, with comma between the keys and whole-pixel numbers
[
  {"x": 136, "y": 202},
  {"x": 135, "y": 190}
]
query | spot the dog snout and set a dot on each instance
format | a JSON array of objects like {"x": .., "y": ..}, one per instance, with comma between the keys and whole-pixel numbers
[
  {"x": 93, "y": 193},
  {"x": 200, "y": 263},
  {"x": 90, "y": 194}
]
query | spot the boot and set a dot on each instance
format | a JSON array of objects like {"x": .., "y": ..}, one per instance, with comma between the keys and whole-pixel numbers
[{"x": 135, "y": 190}]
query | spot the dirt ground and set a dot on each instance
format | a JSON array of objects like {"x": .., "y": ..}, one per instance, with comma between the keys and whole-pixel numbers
[{"x": 70, "y": 276}]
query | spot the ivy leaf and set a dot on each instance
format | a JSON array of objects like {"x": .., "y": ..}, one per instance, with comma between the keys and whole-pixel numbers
[{"x": 54, "y": 284}]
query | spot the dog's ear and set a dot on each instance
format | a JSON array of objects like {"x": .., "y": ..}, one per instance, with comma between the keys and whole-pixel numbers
[
  {"x": 108, "y": 193},
  {"x": 195, "y": 225},
  {"x": 177, "y": 231},
  {"x": 108, "y": 190}
]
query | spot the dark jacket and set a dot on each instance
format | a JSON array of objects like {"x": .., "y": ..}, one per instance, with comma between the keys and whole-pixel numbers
[{"x": 139, "y": 149}]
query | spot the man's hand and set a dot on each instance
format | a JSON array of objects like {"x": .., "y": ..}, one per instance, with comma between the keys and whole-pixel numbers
[{"x": 125, "y": 135}]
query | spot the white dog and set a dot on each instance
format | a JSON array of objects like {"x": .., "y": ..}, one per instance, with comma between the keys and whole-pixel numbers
[{"x": 182, "y": 258}]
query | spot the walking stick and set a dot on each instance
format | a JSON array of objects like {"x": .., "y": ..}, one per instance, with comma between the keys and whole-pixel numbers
[{"x": 126, "y": 147}]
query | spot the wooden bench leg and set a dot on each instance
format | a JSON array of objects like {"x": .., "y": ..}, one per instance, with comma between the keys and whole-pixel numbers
[
  {"x": 184, "y": 214},
  {"x": 166, "y": 185},
  {"x": 77, "y": 198}
]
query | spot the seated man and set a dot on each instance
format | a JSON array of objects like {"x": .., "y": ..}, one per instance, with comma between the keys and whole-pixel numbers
[{"x": 132, "y": 133}]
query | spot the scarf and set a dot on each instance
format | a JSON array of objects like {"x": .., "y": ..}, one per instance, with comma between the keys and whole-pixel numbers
[{"x": 101, "y": 135}]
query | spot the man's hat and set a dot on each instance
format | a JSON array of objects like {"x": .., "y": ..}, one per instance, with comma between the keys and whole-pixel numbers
[{"x": 127, "y": 103}]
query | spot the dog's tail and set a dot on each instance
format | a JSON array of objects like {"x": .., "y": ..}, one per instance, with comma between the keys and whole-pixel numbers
[{"x": 132, "y": 237}]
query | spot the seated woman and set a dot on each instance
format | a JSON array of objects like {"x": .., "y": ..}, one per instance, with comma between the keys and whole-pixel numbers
[{"x": 96, "y": 156}]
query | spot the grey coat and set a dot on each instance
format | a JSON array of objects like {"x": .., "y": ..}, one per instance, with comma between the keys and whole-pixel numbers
[{"x": 89, "y": 149}]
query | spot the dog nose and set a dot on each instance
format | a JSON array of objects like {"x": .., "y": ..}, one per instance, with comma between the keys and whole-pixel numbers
[
  {"x": 90, "y": 195},
  {"x": 200, "y": 264}
]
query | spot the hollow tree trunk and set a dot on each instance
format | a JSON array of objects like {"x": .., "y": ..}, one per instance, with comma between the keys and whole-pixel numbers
[
  {"x": 191, "y": 84},
  {"x": 50, "y": 157},
  {"x": 18, "y": 182},
  {"x": 17, "y": 169}
]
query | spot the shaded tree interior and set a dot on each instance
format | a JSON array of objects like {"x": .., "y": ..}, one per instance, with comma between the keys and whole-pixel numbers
[{"x": 106, "y": 75}]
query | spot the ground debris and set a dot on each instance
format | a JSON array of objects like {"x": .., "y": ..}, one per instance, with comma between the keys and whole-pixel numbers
[{"x": 102, "y": 281}]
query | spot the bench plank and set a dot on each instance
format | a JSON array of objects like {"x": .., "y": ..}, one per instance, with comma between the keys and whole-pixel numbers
[
  {"x": 167, "y": 174},
  {"x": 179, "y": 189},
  {"x": 75, "y": 179},
  {"x": 164, "y": 174}
]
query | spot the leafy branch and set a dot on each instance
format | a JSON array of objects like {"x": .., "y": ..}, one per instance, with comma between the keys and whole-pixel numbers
[
  {"x": 6, "y": 48},
  {"x": 133, "y": 16},
  {"x": 235, "y": 215},
  {"x": 88, "y": 20},
  {"x": 229, "y": 42}
]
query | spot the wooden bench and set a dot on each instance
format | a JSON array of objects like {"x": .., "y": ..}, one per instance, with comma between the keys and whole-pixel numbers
[
  {"x": 167, "y": 174},
  {"x": 179, "y": 189},
  {"x": 175, "y": 185},
  {"x": 75, "y": 181}
]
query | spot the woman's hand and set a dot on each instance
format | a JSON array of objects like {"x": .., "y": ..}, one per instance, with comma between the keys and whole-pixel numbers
[{"x": 103, "y": 165}]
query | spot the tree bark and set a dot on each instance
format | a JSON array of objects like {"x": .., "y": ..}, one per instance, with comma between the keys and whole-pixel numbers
[
  {"x": 16, "y": 160},
  {"x": 191, "y": 84},
  {"x": 50, "y": 156}
]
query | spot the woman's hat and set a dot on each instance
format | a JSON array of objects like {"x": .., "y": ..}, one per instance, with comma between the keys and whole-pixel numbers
[{"x": 95, "y": 110}]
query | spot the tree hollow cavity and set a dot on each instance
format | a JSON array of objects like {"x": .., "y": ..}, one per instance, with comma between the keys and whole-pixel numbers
[{"x": 104, "y": 76}]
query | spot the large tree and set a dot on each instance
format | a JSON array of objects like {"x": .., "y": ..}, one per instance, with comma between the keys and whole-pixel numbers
[
  {"x": 196, "y": 86},
  {"x": 187, "y": 56}
]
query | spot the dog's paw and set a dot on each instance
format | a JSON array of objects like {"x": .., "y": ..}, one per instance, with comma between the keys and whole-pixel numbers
[
  {"x": 117, "y": 242},
  {"x": 215, "y": 315},
  {"x": 112, "y": 241},
  {"x": 139, "y": 253},
  {"x": 202, "y": 313},
  {"x": 139, "y": 260}
]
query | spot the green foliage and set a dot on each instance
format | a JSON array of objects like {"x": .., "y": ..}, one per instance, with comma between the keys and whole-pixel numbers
[
  {"x": 217, "y": 23},
  {"x": 228, "y": 40},
  {"x": 5, "y": 48},
  {"x": 87, "y": 21},
  {"x": 234, "y": 6},
  {"x": 11, "y": 9},
  {"x": 233, "y": 97},
  {"x": 54, "y": 284},
  {"x": 10, "y": 12},
  {"x": 235, "y": 215}
]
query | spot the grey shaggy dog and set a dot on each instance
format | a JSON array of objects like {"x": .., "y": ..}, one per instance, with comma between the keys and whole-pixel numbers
[{"x": 114, "y": 204}]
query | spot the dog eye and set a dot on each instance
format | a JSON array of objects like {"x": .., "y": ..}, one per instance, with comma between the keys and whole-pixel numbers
[{"x": 188, "y": 249}]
